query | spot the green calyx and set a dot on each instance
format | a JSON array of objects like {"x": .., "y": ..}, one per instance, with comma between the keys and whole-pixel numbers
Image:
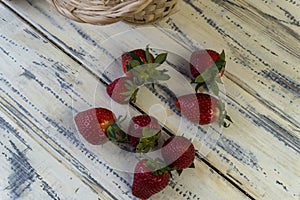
[
  {"x": 159, "y": 59},
  {"x": 179, "y": 171},
  {"x": 147, "y": 72},
  {"x": 220, "y": 63},
  {"x": 115, "y": 133},
  {"x": 224, "y": 119},
  {"x": 209, "y": 79},
  {"x": 136, "y": 60},
  {"x": 157, "y": 166},
  {"x": 148, "y": 140},
  {"x": 211, "y": 85},
  {"x": 131, "y": 91}
]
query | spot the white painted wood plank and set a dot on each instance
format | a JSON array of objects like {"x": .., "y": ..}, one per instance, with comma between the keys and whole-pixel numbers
[
  {"x": 29, "y": 171},
  {"x": 89, "y": 47},
  {"x": 256, "y": 55},
  {"x": 38, "y": 89},
  {"x": 229, "y": 149},
  {"x": 262, "y": 49}
]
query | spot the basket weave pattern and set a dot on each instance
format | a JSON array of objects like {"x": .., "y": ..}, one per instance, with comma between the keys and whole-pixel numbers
[{"x": 109, "y": 11}]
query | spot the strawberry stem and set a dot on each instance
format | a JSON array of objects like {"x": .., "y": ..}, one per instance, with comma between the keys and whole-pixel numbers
[{"x": 223, "y": 115}]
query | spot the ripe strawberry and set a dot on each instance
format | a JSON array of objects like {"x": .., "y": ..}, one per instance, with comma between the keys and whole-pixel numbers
[
  {"x": 96, "y": 125},
  {"x": 202, "y": 109},
  {"x": 134, "y": 55},
  {"x": 207, "y": 67},
  {"x": 145, "y": 66},
  {"x": 143, "y": 132},
  {"x": 201, "y": 60},
  {"x": 122, "y": 90},
  {"x": 178, "y": 152},
  {"x": 148, "y": 180}
]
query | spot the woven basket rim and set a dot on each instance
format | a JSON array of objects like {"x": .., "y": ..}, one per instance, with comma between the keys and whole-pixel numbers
[{"x": 110, "y": 11}]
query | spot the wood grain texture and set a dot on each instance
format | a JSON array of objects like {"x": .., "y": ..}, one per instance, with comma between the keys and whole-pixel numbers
[
  {"x": 265, "y": 53},
  {"x": 29, "y": 171},
  {"x": 244, "y": 153},
  {"x": 262, "y": 82},
  {"x": 40, "y": 92},
  {"x": 280, "y": 135}
]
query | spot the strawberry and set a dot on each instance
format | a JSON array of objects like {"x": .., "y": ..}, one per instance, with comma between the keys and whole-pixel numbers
[
  {"x": 137, "y": 55},
  {"x": 202, "y": 109},
  {"x": 144, "y": 64},
  {"x": 122, "y": 90},
  {"x": 96, "y": 125},
  {"x": 148, "y": 180},
  {"x": 141, "y": 68},
  {"x": 207, "y": 66},
  {"x": 178, "y": 152},
  {"x": 202, "y": 60},
  {"x": 143, "y": 132}
]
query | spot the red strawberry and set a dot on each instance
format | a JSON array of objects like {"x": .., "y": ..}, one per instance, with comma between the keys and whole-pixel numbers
[
  {"x": 93, "y": 123},
  {"x": 134, "y": 55},
  {"x": 202, "y": 109},
  {"x": 122, "y": 90},
  {"x": 178, "y": 152},
  {"x": 207, "y": 66},
  {"x": 144, "y": 132},
  {"x": 144, "y": 65},
  {"x": 97, "y": 125},
  {"x": 147, "y": 180},
  {"x": 202, "y": 60}
]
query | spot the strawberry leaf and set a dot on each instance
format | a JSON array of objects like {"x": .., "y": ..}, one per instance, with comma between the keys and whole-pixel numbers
[
  {"x": 134, "y": 63},
  {"x": 148, "y": 55},
  {"x": 146, "y": 143},
  {"x": 160, "y": 58},
  {"x": 222, "y": 55},
  {"x": 157, "y": 166},
  {"x": 213, "y": 86},
  {"x": 116, "y": 134},
  {"x": 179, "y": 171},
  {"x": 199, "y": 79},
  {"x": 220, "y": 63},
  {"x": 192, "y": 165},
  {"x": 128, "y": 67},
  {"x": 162, "y": 77},
  {"x": 131, "y": 94},
  {"x": 135, "y": 57}
]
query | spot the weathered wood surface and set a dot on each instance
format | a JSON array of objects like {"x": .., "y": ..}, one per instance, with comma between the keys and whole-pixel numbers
[
  {"x": 37, "y": 92},
  {"x": 259, "y": 153}
]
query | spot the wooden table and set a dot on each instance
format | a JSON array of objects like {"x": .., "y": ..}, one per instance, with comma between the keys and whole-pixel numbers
[{"x": 52, "y": 67}]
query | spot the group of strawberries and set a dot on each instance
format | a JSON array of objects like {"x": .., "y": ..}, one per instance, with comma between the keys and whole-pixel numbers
[{"x": 97, "y": 125}]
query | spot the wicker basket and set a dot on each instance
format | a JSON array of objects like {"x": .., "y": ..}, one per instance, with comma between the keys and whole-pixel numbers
[{"x": 109, "y": 11}]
